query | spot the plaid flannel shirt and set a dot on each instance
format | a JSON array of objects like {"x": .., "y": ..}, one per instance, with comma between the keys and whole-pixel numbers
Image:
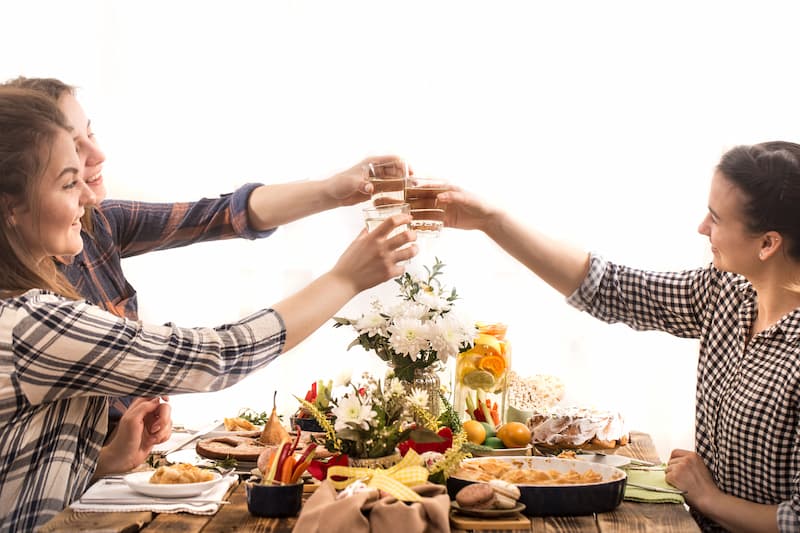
[
  {"x": 59, "y": 362},
  {"x": 126, "y": 229},
  {"x": 746, "y": 418}
]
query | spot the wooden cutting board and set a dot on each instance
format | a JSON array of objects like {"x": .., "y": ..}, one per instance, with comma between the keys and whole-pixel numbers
[{"x": 514, "y": 521}]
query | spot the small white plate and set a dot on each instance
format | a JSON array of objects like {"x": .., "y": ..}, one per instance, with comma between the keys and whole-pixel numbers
[
  {"x": 617, "y": 461},
  {"x": 140, "y": 482}
]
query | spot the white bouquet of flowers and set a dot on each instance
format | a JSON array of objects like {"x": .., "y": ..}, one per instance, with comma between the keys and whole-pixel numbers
[{"x": 419, "y": 330}]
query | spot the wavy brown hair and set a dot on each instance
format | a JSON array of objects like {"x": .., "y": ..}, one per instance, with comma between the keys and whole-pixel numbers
[
  {"x": 55, "y": 89},
  {"x": 29, "y": 123}
]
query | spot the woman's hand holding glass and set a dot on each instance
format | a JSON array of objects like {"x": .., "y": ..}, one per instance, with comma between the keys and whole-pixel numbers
[
  {"x": 378, "y": 255},
  {"x": 354, "y": 185}
]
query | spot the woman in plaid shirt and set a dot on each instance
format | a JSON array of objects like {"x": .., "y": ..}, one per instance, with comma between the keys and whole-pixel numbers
[
  {"x": 61, "y": 358},
  {"x": 116, "y": 229},
  {"x": 744, "y": 308}
]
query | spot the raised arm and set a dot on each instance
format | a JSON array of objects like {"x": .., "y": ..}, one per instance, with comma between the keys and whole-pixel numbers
[
  {"x": 371, "y": 259},
  {"x": 561, "y": 266},
  {"x": 271, "y": 206}
]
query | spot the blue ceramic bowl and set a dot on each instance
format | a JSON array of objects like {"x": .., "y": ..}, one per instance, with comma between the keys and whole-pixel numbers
[
  {"x": 274, "y": 501},
  {"x": 560, "y": 500}
]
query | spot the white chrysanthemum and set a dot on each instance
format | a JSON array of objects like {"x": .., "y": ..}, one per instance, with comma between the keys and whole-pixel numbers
[
  {"x": 448, "y": 333},
  {"x": 351, "y": 411},
  {"x": 408, "y": 309},
  {"x": 408, "y": 336},
  {"x": 372, "y": 324},
  {"x": 419, "y": 397}
]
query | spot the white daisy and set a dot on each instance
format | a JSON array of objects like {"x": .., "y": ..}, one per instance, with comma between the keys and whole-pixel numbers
[
  {"x": 350, "y": 412},
  {"x": 419, "y": 397}
]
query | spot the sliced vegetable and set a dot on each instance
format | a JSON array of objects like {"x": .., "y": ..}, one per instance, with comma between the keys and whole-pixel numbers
[{"x": 286, "y": 469}]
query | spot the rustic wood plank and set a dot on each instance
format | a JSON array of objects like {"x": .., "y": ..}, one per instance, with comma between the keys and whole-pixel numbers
[
  {"x": 647, "y": 518},
  {"x": 68, "y": 521},
  {"x": 560, "y": 524}
]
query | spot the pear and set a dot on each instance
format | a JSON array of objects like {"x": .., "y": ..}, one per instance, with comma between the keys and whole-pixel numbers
[{"x": 274, "y": 432}]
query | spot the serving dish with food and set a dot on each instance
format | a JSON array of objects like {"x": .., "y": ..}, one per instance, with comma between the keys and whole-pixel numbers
[
  {"x": 548, "y": 486},
  {"x": 176, "y": 481}
]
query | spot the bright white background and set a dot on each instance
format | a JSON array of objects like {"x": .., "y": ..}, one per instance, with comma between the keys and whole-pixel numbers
[{"x": 599, "y": 122}]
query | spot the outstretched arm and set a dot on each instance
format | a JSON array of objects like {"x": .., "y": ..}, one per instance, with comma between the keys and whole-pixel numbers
[
  {"x": 274, "y": 205},
  {"x": 561, "y": 266},
  {"x": 370, "y": 259}
]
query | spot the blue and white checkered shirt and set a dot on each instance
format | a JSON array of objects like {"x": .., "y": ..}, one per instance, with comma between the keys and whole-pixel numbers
[
  {"x": 747, "y": 417},
  {"x": 60, "y": 361}
]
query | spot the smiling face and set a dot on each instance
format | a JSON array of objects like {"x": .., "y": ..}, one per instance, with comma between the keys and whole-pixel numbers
[
  {"x": 734, "y": 248},
  {"x": 49, "y": 220},
  {"x": 92, "y": 157}
]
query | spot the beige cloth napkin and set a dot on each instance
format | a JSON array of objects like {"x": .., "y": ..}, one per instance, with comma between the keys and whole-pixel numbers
[
  {"x": 365, "y": 511},
  {"x": 653, "y": 478},
  {"x": 104, "y": 489}
]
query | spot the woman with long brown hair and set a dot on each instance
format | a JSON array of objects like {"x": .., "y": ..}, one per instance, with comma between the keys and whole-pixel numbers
[{"x": 61, "y": 358}]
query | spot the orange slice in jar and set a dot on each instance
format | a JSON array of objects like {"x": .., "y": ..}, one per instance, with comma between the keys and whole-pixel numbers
[
  {"x": 494, "y": 364},
  {"x": 486, "y": 344}
]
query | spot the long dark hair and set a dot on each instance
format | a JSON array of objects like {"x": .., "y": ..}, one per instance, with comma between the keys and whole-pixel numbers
[
  {"x": 29, "y": 123},
  {"x": 769, "y": 175}
]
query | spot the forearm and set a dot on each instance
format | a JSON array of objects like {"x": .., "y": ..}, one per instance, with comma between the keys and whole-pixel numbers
[
  {"x": 271, "y": 206},
  {"x": 111, "y": 461},
  {"x": 739, "y": 515},
  {"x": 561, "y": 266},
  {"x": 311, "y": 307}
]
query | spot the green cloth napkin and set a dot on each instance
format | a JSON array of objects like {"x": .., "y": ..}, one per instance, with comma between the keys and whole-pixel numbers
[{"x": 654, "y": 478}]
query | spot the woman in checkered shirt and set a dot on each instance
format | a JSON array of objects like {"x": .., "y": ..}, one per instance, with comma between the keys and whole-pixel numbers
[
  {"x": 116, "y": 229},
  {"x": 61, "y": 358},
  {"x": 745, "y": 310}
]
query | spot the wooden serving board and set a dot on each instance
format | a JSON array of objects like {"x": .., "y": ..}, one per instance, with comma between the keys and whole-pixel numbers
[{"x": 514, "y": 521}]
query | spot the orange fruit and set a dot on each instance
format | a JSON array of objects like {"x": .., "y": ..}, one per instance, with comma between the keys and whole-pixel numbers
[
  {"x": 494, "y": 364},
  {"x": 486, "y": 344},
  {"x": 475, "y": 431},
  {"x": 514, "y": 434}
]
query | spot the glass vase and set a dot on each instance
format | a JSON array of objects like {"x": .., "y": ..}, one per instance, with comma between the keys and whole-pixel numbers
[
  {"x": 481, "y": 388},
  {"x": 428, "y": 380}
]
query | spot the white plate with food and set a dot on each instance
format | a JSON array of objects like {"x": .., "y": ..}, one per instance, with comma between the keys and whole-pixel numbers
[{"x": 140, "y": 482}]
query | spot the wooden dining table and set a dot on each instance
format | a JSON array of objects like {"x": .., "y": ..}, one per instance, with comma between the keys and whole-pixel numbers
[{"x": 629, "y": 516}]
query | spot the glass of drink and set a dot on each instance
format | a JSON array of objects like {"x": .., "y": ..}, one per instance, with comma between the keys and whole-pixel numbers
[
  {"x": 375, "y": 215},
  {"x": 427, "y": 220},
  {"x": 388, "y": 182},
  {"x": 421, "y": 192}
]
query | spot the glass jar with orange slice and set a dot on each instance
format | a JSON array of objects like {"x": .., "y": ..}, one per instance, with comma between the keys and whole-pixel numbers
[{"x": 481, "y": 376}]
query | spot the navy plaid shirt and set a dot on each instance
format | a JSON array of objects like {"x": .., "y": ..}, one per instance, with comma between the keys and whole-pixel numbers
[{"x": 747, "y": 418}]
